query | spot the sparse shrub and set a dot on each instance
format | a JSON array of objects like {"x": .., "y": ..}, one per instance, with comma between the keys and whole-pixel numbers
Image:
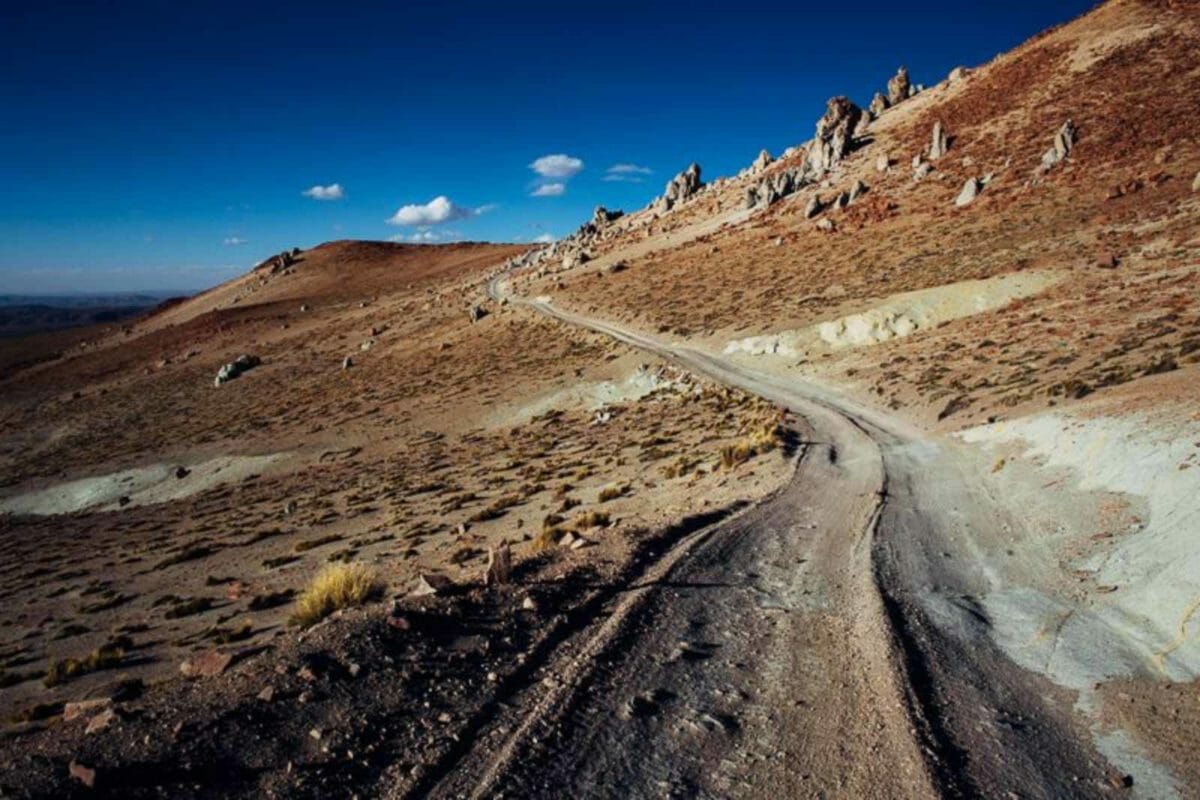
[
  {"x": 106, "y": 656},
  {"x": 567, "y": 504},
  {"x": 335, "y": 587},
  {"x": 187, "y": 608},
  {"x": 591, "y": 519},
  {"x": 311, "y": 544},
  {"x": 611, "y": 493},
  {"x": 762, "y": 439}
]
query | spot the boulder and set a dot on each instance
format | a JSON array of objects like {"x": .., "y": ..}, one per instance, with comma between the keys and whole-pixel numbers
[
  {"x": 939, "y": 144},
  {"x": 835, "y": 134},
  {"x": 235, "y": 368},
  {"x": 922, "y": 171},
  {"x": 842, "y": 200},
  {"x": 879, "y": 104},
  {"x": 856, "y": 191},
  {"x": 476, "y": 313},
  {"x": 882, "y": 162},
  {"x": 899, "y": 87},
  {"x": 813, "y": 208},
  {"x": 499, "y": 566},
  {"x": 969, "y": 192},
  {"x": 827, "y": 225},
  {"x": 1064, "y": 141}
]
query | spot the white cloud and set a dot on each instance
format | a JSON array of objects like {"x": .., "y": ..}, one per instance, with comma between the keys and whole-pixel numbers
[
  {"x": 234, "y": 241},
  {"x": 558, "y": 165},
  {"x": 544, "y": 238},
  {"x": 426, "y": 235},
  {"x": 333, "y": 191},
  {"x": 549, "y": 190},
  {"x": 438, "y": 210},
  {"x": 629, "y": 173}
]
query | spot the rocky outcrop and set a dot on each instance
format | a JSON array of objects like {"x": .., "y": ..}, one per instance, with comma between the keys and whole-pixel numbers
[
  {"x": 969, "y": 192},
  {"x": 939, "y": 144},
  {"x": 835, "y": 135},
  {"x": 879, "y": 104},
  {"x": 601, "y": 216},
  {"x": 856, "y": 191},
  {"x": 921, "y": 170},
  {"x": 1064, "y": 141},
  {"x": 683, "y": 186},
  {"x": 957, "y": 74},
  {"x": 235, "y": 368},
  {"x": 899, "y": 88},
  {"x": 476, "y": 313},
  {"x": 762, "y": 162},
  {"x": 882, "y": 162}
]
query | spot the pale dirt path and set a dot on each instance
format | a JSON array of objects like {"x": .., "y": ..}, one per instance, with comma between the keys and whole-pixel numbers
[{"x": 825, "y": 643}]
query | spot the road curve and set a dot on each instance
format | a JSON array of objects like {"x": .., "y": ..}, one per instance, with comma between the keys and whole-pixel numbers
[{"x": 825, "y": 643}]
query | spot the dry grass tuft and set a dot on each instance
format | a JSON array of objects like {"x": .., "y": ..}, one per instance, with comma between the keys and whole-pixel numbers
[
  {"x": 762, "y": 439},
  {"x": 335, "y": 587},
  {"x": 106, "y": 656}
]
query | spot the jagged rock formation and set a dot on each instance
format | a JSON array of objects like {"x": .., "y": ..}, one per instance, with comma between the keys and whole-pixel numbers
[
  {"x": 762, "y": 162},
  {"x": 601, "y": 216},
  {"x": 957, "y": 74},
  {"x": 899, "y": 88},
  {"x": 680, "y": 188},
  {"x": 857, "y": 190},
  {"x": 1064, "y": 141},
  {"x": 835, "y": 135},
  {"x": 921, "y": 169},
  {"x": 940, "y": 144}
]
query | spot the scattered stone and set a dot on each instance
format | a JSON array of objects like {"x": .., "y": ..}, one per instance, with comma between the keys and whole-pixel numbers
[
  {"x": 856, "y": 191},
  {"x": 969, "y": 192},
  {"x": 567, "y": 539},
  {"x": 922, "y": 171},
  {"x": 431, "y": 583},
  {"x": 615, "y": 267},
  {"x": 882, "y": 163},
  {"x": 813, "y": 208},
  {"x": 940, "y": 144},
  {"x": 499, "y": 566},
  {"x": 899, "y": 87},
  {"x": 347, "y": 362},
  {"x": 208, "y": 664},
  {"x": 1196, "y": 183},
  {"x": 354, "y": 668},
  {"x": 315, "y": 733},
  {"x": 580, "y": 542},
  {"x": 827, "y": 225},
  {"x": 842, "y": 200},
  {"x": 235, "y": 368},
  {"x": 267, "y": 694},
  {"x": 1108, "y": 260},
  {"x": 476, "y": 313},
  {"x": 529, "y": 604},
  {"x": 81, "y": 773}
]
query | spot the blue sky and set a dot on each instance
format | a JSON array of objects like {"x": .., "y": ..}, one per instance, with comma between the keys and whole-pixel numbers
[{"x": 169, "y": 145}]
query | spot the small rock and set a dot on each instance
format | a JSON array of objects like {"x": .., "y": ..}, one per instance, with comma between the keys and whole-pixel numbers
[
  {"x": 957, "y": 74},
  {"x": 267, "y": 694},
  {"x": 813, "y": 208},
  {"x": 181, "y": 473},
  {"x": 529, "y": 604},
  {"x": 79, "y": 708},
  {"x": 856, "y": 191},
  {"x": 882, "y": 163},
  {"x": 315, "y": 734},
  {"x": 431, "y": 583},
  {"x": 580, "y": 542},
  {"x": 1108, "y": 260},
  {"x": 206, "y": 665},
  {"x": 347, "y": 362},
  {"x": 1196, "y": 183},
  {"x": 355, "y": 669},
  {"x": 85, "y": 775},
  {"x": 100, "y": 721},
  {"x": 922, "y": 171},
  {"x": 827, "y": 225}
]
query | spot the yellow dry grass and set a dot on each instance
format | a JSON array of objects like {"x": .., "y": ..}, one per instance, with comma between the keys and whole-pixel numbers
[{"x": 335, "y": 587}]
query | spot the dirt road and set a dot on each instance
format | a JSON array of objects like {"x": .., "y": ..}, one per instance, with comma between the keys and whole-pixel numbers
[{"x": 825, "y": 643}]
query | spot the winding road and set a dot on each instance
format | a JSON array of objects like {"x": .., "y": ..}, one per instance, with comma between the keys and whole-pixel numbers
[{"x": 825, "y": 643}]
